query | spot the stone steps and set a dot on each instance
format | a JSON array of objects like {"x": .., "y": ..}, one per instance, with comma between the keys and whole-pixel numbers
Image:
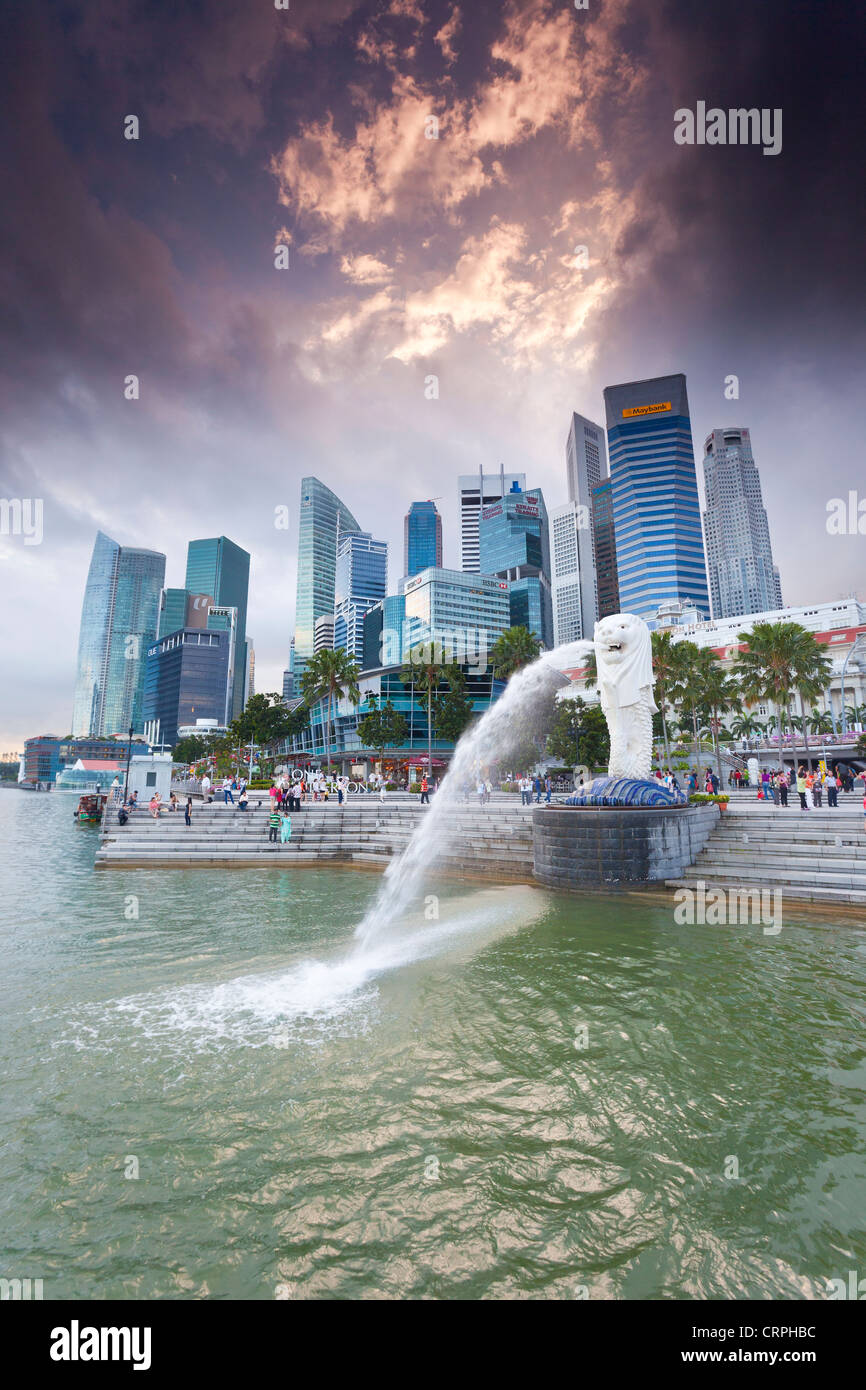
[{"x": 489, "y": 841}]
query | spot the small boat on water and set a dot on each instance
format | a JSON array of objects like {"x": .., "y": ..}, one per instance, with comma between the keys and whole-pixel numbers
[{"x": 90, "y": 808}]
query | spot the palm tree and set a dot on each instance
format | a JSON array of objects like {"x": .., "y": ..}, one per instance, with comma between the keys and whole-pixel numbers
[
  {"x": 664, "y": 670},
  {"x": 331, "y": 673},
  {"x": 746, "y": 726},
  {"x": 685, "y": 684},
  {"x": 855, "y": 714},
  {"x": 812, "y": 672},
  {"x": 769, "y": 667},
  {"x": 719, "y": 695},
  {"x": 427, "y": 673},
  {"x": 821, "y": 722},
  {"x": 513, "y": 649}
]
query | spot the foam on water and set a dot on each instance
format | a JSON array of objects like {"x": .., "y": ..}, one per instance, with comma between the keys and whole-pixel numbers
[{"x": 307, "y": 1001}]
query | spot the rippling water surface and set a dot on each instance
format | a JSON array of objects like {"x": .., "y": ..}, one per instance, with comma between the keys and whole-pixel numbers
[{"x": 420, "y": 1120}]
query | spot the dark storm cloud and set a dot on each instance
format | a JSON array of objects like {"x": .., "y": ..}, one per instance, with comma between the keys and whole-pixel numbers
[{"x": 409, "y": 257}]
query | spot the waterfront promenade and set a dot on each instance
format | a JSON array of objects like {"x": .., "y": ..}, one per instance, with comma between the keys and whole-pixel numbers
[
  {"x": 815, "y": 856},
  {"x": 492, "y": 842}
]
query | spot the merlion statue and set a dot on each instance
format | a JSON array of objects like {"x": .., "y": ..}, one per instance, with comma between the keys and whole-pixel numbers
[
  {"x": 623, "y": 656},
  {"x": 624, "y": 662}
]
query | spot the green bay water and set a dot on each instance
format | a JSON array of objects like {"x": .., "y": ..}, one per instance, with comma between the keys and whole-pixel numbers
[{"x": 419, "y": 1121}]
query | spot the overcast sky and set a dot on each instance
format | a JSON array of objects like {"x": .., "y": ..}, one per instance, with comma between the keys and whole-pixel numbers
[{"x": 409, "y": 257}]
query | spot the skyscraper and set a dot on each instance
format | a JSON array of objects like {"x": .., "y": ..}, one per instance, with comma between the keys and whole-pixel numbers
[
  {"x": 422, "y": 538},
  {"x": 289, "y": 674},
  {"x": 656, "y": 510},
  {"x": 586, "y": 467},
  {"x": 219, "y": 568},
  {"x": 360, "y": 581},
  {"x": 477, "y": 491},
  {"x": 514, "y": 544},
  {"x": 604, "y": 545},
  {"x": 743, "y": 578},
  {"x": 573, "y": 573},
  {"x": 172, "y": 611},
  {"x": 585, "y": 458},
  {"x": 322, "y": 516},
  {"x": 118, "y": 619},
  {"x": 189, "y": 676},
  {"x": 464, "y": 613}
]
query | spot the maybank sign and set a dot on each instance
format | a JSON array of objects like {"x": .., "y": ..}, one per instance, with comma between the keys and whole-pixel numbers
[{"x": 656, "y": 409}]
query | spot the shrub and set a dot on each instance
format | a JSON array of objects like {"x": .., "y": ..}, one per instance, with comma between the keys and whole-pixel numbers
[
  {"x": 705, "y": 796},
  {"x": 391, "y": 787},
  {"x": 415, "y": 788}
]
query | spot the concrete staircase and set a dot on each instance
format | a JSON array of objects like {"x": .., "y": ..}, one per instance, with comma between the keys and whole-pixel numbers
[
  {"x": 816, "y": 856},
  {"x": 490, "y": 842}
]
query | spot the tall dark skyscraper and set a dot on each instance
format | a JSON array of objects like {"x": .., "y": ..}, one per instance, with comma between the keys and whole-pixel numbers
[
  {"x": 422, "y": 539},
  {"x": 656, "y": 510},
  {"x": 118, "y": 620},
  {"x": 322, "y": 516},
  {"x": 743, "y": 578},
  {"x": 219, "y": 568},
  {"x": 604, "y": 538}
]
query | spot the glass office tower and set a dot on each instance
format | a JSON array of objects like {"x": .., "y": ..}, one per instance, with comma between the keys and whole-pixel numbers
[
  {"x": 743, "y": 578},
  {"x": 604, "y": 538},
  {"x": 322, "y": 516},
  {"x": 657, "y": 517},
  {"x": 188, "y": 677},
  {"x": 221, "y": 569},
  {"x": 479, "y": 490},
  {"x": 360, "y": 581},
  {"x": 119, "y": 618},
  {"x": 514, "y": 545},
  {"x": 422, "y": 539},
  {"x": 172, "y": 611}
]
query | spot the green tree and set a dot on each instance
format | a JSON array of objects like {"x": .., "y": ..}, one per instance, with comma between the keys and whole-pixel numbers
[
  {"x": 579, "y": 734},
  {"x": 812, "y": 675},
  {"x": 821, "y": 722},
  {"x": 453, "y": 711},
  {"x": 684, "y": 686},
  {"x": 264, "y": 721},
  {"x": 745, "y": 726},
  {"x": 779, "y": 659},
  {"x": 190, "y": 749},
  {"x": 513, "y": 649},
  {"x": 665, "y": 670},
  {"x": 330, "y": 674},
  {"x": 381, "y": 727},
  {"x": 426, "y": 672},
  {"x": 719, "y": 694}
]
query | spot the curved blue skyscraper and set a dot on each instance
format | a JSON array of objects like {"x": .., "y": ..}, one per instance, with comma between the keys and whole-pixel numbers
[
  {"x": 656, "y": 511},
  {"x": 118, "y": 620},
  {"x": 322, "y": 517}
]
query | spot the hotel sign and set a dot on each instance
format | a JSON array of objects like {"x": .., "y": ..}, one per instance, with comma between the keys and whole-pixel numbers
[{"x": 656, "y": 409}]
